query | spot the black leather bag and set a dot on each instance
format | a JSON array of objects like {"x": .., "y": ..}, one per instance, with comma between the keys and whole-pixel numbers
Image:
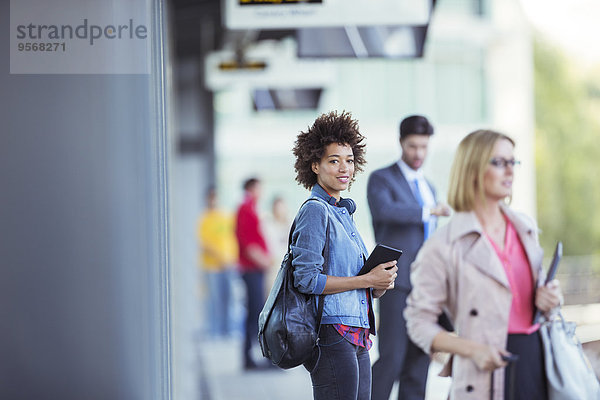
[{"x": 289, "y": 323}]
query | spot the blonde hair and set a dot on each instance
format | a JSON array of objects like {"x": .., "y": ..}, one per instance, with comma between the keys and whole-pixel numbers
[{"x": 468, "y": 168}]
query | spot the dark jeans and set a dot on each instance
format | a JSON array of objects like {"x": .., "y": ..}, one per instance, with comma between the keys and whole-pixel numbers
[
  {"x": 255, "y": 300},
  {"x": 530, "y": 375},
  {"x": 343, "y": 371}
]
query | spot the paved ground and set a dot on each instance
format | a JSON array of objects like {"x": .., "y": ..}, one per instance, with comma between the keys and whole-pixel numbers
[{"x": 224, "y": 378}]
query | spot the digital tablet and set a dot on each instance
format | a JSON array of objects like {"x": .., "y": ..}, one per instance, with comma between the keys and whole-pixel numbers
[
  {"x": 554, "y": 264},
  {"x": 381, "y": 254},
  {"x": 551, "y": 273}
]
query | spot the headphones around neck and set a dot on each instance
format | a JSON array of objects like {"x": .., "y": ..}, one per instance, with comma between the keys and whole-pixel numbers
[{"x": 348, "y": 204}]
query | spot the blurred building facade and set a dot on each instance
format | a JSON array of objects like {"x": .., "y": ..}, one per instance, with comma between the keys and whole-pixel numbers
[{"x": 475, "y": 72}]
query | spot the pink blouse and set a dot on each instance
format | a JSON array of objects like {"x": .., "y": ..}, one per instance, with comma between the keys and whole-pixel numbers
[{"x": 516, "y": 265}]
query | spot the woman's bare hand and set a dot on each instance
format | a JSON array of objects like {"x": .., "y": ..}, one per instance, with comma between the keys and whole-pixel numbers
[
  {"x": 487, "y": 358},
  {"x": 549, "y": 296},
  {"x": 382, "y": 276}
]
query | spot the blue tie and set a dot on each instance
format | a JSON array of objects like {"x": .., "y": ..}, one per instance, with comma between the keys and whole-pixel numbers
[{"x": 417, "y": 193}]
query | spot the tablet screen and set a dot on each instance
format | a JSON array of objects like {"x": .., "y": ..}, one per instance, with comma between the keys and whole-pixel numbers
[{"x": 379, "y": 255}]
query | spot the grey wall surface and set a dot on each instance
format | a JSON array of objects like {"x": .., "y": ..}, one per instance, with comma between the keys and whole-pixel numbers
[{"x": 83, "y": 235}]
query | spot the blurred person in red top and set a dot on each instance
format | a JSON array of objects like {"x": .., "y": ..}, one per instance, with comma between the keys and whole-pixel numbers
[{"x": 254, "y": 260}]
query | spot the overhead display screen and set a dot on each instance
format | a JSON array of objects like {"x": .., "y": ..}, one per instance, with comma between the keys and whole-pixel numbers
[
  {"x": 361, "y": 42},
  {"x": 290, "y": 14},
  {"x": 254, "y": 2},
  {"x": 286, "y": 99}
]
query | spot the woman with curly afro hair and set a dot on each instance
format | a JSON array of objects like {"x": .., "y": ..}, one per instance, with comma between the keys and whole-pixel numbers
[{"x": 328, "y": 155}]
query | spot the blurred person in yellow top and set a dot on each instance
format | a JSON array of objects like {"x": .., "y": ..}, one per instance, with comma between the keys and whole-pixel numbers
[{"x": 218, "y": 250}]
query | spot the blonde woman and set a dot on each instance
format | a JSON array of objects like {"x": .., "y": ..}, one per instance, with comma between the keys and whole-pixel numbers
[{"x": 484, "y": 269}]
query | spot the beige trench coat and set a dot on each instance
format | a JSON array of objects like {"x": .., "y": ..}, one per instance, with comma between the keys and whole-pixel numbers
[{"x": 457, "y": 270}]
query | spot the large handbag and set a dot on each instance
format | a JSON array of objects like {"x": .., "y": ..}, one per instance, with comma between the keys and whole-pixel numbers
[
  {"x": 289, "y": 323},
  {"x": 569, "y": 372}
]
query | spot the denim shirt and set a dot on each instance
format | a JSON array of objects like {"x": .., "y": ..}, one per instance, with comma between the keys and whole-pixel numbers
[{"x": 347, "y": 253}]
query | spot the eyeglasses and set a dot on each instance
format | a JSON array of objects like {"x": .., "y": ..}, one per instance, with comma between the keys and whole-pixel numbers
[{"x": 503, "y": 162}]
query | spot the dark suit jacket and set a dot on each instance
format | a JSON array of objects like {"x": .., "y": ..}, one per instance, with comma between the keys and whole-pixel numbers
[{"x": 397, "y": 217}]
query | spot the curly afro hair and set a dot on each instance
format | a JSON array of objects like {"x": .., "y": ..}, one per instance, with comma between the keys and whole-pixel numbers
[{"x": 328, "y": 128}]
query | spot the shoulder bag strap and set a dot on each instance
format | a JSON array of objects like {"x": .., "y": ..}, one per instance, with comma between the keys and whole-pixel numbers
[
  {"x": 325, "y": 262},
  {"x": 325, "y": 267}
]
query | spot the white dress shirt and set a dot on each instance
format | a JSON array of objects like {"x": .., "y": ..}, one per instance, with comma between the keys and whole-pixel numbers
[{"x": 426, "y": 194}]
